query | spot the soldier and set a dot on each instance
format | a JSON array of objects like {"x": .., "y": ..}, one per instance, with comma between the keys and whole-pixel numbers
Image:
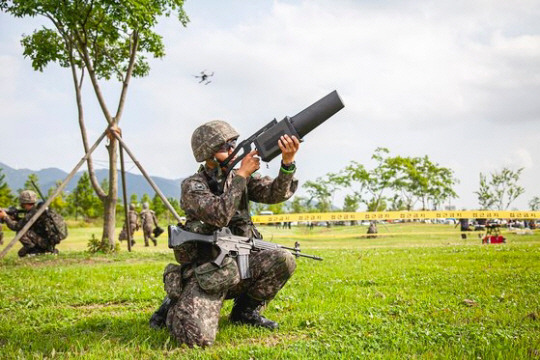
[
  {"x": 133, "y": 224},
  {"x": 149, "y": 222},
  {"x": 36, "y": 239},
  {"x": 211, "y": 199}
]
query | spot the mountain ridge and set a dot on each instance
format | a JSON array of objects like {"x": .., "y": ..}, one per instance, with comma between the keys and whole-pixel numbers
[{"x": 136, "y": 184}]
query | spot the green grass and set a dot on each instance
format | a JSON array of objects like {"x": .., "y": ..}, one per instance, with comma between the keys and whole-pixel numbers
[{"x": 397, "y": 296}]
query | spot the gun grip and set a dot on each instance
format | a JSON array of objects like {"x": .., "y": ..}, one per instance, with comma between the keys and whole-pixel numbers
[{"x": 219, "y": 259}]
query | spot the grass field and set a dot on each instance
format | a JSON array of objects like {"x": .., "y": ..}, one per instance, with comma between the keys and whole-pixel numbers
[{"x": 423, "y": 294}]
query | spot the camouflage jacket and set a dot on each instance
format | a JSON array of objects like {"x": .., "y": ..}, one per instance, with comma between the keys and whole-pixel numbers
[
  {"x": 17, "y": 225},
  {"x": 208, "y": 208},
  {"x": 149, "y": 220}
]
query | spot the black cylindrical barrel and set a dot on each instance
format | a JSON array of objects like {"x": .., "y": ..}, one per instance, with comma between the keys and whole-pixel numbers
[{"x": 311, "y": 117}]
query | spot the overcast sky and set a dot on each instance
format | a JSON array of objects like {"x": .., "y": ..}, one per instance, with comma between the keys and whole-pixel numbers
[{"x": 458, "y": 81}]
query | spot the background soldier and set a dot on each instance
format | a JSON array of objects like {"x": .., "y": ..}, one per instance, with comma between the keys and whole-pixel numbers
[
  {"x": 149, "y": 222},
  {"x": 134, "y": 225},
  {"x": 212, "y": 200},
  {"x": 37, "y": 239}
]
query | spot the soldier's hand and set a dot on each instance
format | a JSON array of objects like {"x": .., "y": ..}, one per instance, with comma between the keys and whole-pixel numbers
[
  {"x": 289, "y": 146},
  {"x": 250, "y": 163},
  {"x": 2, "y": 214}
]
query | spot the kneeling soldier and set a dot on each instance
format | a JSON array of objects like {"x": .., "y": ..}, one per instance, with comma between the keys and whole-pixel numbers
[
  {"x": 37, "y": 239},
  {"x": 211, "y": 200}
]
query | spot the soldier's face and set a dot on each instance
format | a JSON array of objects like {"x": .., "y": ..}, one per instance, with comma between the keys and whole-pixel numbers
[
  {"x": 27, "y": 206},
  {"x": 225, "y": 150}
]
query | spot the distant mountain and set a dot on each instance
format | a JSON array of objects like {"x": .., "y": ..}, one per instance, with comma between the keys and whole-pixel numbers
[{"x": 136, "y": 184}]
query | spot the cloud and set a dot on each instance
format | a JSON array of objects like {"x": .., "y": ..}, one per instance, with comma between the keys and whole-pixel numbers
[{"x": 457, "y": 80}]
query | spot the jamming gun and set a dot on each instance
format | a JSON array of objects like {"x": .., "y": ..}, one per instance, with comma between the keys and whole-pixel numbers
[
  {"x": 238, "y": 247},
  {"x": 266, "y": 138}
]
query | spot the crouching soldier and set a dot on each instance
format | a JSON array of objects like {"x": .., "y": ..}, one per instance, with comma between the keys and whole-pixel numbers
[
  {"x": 211, "y": 200},
  {"x": 46, "y": 232}
]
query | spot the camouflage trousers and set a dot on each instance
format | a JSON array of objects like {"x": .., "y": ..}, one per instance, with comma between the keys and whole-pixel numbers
[
  {"x": 193, "y": 320},
  {"x": 123, "y": 233},
  {"x": 148, "y": 236},
  {"x": 34, "y": 244}
]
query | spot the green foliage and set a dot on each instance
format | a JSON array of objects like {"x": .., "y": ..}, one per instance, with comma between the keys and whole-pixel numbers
[
  {"x": 97, "y": 35},
  {"x": 83, "y": 200},
  {"x": 500, "y": 190},
  {"x": 145, "y": 199},
  {"x": 7, "y": 199},
  {"x": 320, "y": 190},
  {"x": 28, "y": 185},
  {"x": 176, "y": 206},
  {"x": 95, "y": 245},
  {"x": 158, "y": 206},
  {"x": 534, "y": 204},
  {"x": 59, "y": 203}
]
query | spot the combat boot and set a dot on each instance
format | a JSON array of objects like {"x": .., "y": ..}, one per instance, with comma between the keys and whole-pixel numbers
[
  {"x": 246, "y": 311},
  {"x": 158, "y": 319}
]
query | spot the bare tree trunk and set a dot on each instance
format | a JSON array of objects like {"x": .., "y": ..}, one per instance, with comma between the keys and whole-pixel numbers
[{"x": 109, "y": 205}]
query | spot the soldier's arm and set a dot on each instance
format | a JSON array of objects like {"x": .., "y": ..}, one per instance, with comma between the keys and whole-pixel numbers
[
  {"x": 200, "y": 203},
  {"x": 13, "y": 224},
  {"x": 271, "y": 191}
]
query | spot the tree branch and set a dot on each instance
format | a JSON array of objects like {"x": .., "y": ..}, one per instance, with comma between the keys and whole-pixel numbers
[{"x": 129, "y": 72}]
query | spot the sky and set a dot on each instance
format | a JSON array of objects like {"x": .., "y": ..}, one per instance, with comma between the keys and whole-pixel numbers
[{"x": 458, "y": 81}]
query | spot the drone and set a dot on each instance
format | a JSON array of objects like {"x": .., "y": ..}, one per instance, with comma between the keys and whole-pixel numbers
[{"x": 204, "y": 77}]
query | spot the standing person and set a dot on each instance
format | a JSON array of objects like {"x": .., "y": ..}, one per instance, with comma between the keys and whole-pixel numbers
[
  {"x": 149, "y": 223},
  {"x": 44, "y": 234},
  {"x": 134, "y": 225},
  {"x": 213, "y": 199}
]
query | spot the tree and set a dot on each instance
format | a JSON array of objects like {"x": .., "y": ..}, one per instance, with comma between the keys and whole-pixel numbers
[
  {"x": 146, "y": 199},
  {"x": 368, "y": 186},
  {"x": 158, "y": 206},
  {"x": 59, "y": 203},
  {"x": 321, "y": 190},
  {"x": 534, "y": 204},
  {"x": 298, "y": 205},
  {"x": 104, "y": 39},
  {"x": 350, "y": 203},
  {"x": 6, "y": 197},
  {"x": 420, "y": 179},
  {"x": 82, "y": 200},
  {"x": 28, "y": 185},
  {"x": 500, "y": 190}
]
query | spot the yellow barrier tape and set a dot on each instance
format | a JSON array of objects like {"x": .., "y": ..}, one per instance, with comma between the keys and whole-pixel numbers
[{"x": 395, "y": 215}]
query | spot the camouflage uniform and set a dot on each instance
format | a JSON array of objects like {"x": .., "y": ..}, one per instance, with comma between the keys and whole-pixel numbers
[
  {"x": 1, "y": 235},
  {"x": 133, "y": 225},
  {"x": 149, "y": 222},
  {"x": 34, "y": 240},
  {"x": 193, "y": 319}
]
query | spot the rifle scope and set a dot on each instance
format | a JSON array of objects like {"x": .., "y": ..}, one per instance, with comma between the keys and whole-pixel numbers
[{"x": 299, "y": 125}]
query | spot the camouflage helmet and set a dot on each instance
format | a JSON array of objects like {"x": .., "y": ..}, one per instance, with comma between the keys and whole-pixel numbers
[
  {"x": 208, "y": 137},
  {"x": 27, "y": 197},
  {"x": 145, "y": 206},
  {"x": 131, "y": 207}
]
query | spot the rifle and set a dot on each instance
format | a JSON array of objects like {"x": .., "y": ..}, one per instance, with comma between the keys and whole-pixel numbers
[
  {"x": 266, "y": 138},
  {"x": 230, "y": 245},
  {"x": 13, "y": 212}
]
